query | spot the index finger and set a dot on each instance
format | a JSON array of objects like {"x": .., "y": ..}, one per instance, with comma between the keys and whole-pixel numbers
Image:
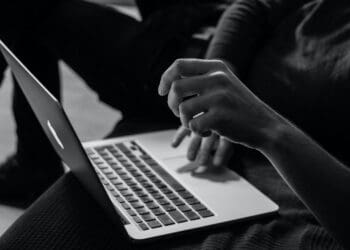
[
  {"x": 180, "y": 134},
  {"x": 182, "y": 68}
]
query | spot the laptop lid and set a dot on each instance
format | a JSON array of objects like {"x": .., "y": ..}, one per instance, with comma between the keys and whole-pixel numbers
[{"x": 59, "y": 130}]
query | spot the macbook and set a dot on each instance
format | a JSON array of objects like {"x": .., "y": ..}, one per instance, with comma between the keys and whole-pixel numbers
[{"x": 140, "y": 180}]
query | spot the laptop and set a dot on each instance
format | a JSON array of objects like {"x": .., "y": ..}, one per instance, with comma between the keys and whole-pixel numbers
[{"x": 140, "y": 180}]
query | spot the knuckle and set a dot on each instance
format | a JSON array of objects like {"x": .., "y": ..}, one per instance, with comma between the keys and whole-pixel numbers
[
  {"x": 194, "y": 126},
  {"x": 220, "y": 64},
  {"x": 176, "y": 86},
  {"x": 183, "y": 108},
  {"x": 178, "y": 64},
  {"x": 221, "y": 78}
]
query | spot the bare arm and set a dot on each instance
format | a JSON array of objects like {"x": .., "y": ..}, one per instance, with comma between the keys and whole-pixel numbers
[
  {"x": 319, "y": 180},
  {"x": 224, "y": 105}
]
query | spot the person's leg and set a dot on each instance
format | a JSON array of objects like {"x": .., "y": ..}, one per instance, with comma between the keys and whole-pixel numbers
[
  {"x": 119, "y": 57},
  {"x": 35, "y": 165}
]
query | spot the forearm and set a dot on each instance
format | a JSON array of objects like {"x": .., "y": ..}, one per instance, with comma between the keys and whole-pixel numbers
[{"x": 319, "y": 180}]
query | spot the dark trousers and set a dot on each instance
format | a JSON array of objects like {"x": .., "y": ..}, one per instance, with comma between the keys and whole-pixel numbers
[{"x": 120, "y": 58}]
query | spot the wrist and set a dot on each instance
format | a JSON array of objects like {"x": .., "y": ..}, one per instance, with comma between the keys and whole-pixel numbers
[{"x": 273, "y": 133}]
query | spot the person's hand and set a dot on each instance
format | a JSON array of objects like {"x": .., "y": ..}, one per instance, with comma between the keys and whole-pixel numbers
[
  {"x": 208, "y": 97},
  {"x": 208, "y": 151}
]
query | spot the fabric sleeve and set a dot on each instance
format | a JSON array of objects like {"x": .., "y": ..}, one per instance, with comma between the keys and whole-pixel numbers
[{"x": 243, "y": 28}]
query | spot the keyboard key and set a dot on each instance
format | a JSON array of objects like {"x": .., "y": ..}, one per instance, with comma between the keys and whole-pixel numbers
[
  {"x": 136, "y": 188},
  {"x": 163, "y": 202},
  {"x": 141, "y": 194},
  {"x": 148, "y": 217},
  {"x": 152, "y": 205},
  {"x": 136, "y": 161},
  {"x": 155, "y": 179},
  {"x": 146, "y": 185},
  {"x": 151, "y": 190},
  {"x": 121, "y": 172},
  {"x": 154, "y": 224},
  {"x": 142, "y": 210},
  {"x": 128, "y": 166},
  {"x": 116, "y": 182},
  {"x": 98, "y": 162},
  {"x": 102, "y": 167},
  {"x": 121, "y": 187},
  {"x": 116, "y": 167},
  {"x": 178, "y": 202},
  {"x": 131, "y": 183},
  {"x": 166, "y": 220},
  {"x": 127, "y": 179},
  {"x": 157, "y": 196},
  {"x": 157, "y": 211},
  {"x": 149, "y": 175},
  {"x": 107, "y": 171},
  {"x": 131, "y": 198},
  {"x": 141, "y": 179},
  {"x": 118, "y": 156},
  {"x": 198, "y": 207},
  {"x": 205, "y": 213},
  {"x": 160, "y": 185},
  {"x": 135, "y": 174},
  {"x": 120, "y": 199},
  {"x": 177, "y": 216},
  {"x": 166, "y": 190},
  {"x": 169, "y": 207},
  {"x": 126, "y": 206},
  {"x": 110, "y": 176},
  {"x": 192, "y": 201},
  {"x": 115, "y": 193},
  {"x": 172, "y": 196},
  {"x": 126, "y": 193},
  {"x": 185, "y": 194},
  {"x": 131, "y": 212},
  {"x": 136, "y": 219},
  {"x": 184, "y": 208},
  {"x": 191, "y": 215},
  {"x": 143, "y": 226},
  {"x": 114, "y": 177},
  {"x": 146, "y": 199}
]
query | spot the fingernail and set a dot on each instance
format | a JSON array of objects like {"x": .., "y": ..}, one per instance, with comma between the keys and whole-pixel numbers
[{"x": 160, "y": 91}]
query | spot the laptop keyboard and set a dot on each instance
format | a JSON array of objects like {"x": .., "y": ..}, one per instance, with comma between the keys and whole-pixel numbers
[{"x": 149, "y": 194}]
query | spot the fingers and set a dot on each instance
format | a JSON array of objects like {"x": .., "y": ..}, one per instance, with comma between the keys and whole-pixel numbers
[
  {"x": 187, "y": 87},
  {"x": 223, "y": 152},
  {"x": 202, "y": 124},
  {"x": 184, "y": 68},
  {"x": 180, "y": 134},
  {"x": 207, "y": 146},
  {"x": 193, "y": 147},
  {"x": 192, "y": 108}
]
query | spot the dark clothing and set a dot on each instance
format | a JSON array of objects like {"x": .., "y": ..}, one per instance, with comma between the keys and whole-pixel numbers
[
  {"x": 295, "y": 56},
  {"x": 66, "y": 217},
  {"x": 120, "y": 58}
]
